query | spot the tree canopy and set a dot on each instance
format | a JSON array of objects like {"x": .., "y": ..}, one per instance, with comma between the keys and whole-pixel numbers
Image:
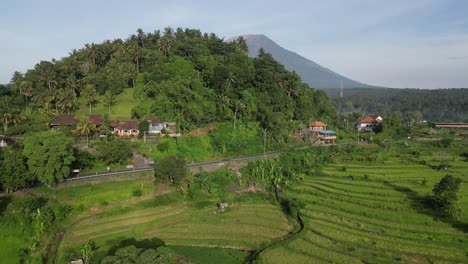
[{"x": 49, "y": 156}]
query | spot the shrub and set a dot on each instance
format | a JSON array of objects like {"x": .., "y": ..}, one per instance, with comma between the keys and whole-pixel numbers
[
  {"x": 115, "y": 152},
  {"x": 137, "y": 192},
  {"x": 171, "y": 169}
]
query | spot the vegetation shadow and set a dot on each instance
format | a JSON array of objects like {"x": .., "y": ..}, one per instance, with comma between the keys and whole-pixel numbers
[
  {"x": 145, "y": 243},
  {"x": 422, "y": 204},
  {"x": 4, "y": 202}
]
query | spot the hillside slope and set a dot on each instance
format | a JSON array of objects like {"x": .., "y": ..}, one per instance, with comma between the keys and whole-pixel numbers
[{"x": 312, "y": 73}]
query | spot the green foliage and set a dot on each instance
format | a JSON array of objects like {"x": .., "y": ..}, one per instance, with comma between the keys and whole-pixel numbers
[
  {"x": 170, "y": 169},
  {"x": 132, "y": 254},
  {"x": 215, "y": 182},
  {"x": 142, "y": 128},
  {"x": 49, "y": 156},
  {"x": 115, "y": 152},
  {"x": 83, "y": 159},
  {"x": 14, "y": 172},
  {"x": 435, "y": 105}
]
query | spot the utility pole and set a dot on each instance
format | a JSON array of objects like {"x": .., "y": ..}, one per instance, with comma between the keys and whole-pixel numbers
[
  {"x": 264, "y": 142},
  {"x": 341, "y": 89}
]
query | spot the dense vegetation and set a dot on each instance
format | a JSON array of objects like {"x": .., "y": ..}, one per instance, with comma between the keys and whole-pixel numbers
[
  {"x": 441, "y": 105},
  {"x": 182, "y": 75}
]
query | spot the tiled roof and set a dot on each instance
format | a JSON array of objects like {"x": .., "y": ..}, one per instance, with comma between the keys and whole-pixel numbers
[
  {"x": 129, "y": 125},
  {"x": 368, "y": 120},
  {"x": 66, "y": 120},
  {"x": 113, "y": 124},
  {"x": 96, "y": 119},
  {"x": 152, "y": 119},
  {"x": 318, "y": 124}
]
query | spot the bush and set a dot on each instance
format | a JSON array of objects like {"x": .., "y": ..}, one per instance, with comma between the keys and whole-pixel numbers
[
  {"x": 137, "y": 192},
  {"x": 115, "y": 152},
  {"x": 445, "y": 198},
  {"x": 171, "y": 169}
]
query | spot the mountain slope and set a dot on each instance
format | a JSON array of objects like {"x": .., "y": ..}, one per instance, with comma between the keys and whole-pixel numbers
[{"x": 311, "y": 73}]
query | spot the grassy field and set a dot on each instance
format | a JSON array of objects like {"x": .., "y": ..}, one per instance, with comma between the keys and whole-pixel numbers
[
  {"x": 366, "y": 209},
  {"x": 121, "y": 110}
]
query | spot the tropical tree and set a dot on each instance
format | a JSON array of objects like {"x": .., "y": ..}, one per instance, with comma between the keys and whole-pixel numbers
[
  {"x": 8, "y": 113},
  {"x": 87, "y": 251},
  {"x": 85, "y": 128},
  {"x": 89, "y": 94},
  {"x": 109, "y": 99},
  {"x": 49, "y": 156},
  {"x": 25, "y": 88},
  {"x": 14, "y": 174},
  {"x": 67, "y": 100}
]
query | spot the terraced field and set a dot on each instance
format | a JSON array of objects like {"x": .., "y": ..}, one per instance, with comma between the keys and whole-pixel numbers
[
  {"x": 369, "y": 212},
  {"x": 244, "y": 226}
]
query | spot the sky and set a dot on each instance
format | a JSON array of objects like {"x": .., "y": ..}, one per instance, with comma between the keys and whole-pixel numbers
[{"x": 398, "y": 43}]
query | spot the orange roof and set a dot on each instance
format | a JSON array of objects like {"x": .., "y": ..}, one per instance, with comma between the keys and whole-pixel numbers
[
  {"x": 318, "y": 124},
  {"x": 368, "y": 120}
]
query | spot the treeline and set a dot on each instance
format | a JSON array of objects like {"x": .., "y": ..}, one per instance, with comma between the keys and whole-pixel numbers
[
  {"x": 184, "y": 75},
  {"x": 441, "y": 105}
]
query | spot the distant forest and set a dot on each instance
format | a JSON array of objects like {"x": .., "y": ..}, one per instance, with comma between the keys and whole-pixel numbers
[{"x": 440, "y": 105}]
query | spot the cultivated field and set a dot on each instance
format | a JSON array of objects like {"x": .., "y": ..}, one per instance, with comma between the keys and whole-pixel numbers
[
  {"x": 249, "y": 221},
  {"x": 367, "y": 209}
]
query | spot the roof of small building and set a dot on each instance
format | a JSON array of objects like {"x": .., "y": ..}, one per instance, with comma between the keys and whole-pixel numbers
[
  {"x": 368, "y": 120},
  {"x": 318, "y": 124},
  {"x": 113, "y": 123},
  {"x": 129, "y": 125},
  {"x": 152, "y": 119},
  {"x": 64, "y": 120},
  {"x": 327, "y": 132},
  {"x": 96, "y": 119}
]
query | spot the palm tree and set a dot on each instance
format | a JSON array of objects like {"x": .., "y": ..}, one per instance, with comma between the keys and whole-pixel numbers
[
  {"x": 25, "y": 89},
  {"x": 73, "y": 84},
  {"x": 8, "y": 113},
  {"x": 89, "y": 94},
  {"x": 93, "y": 52},
  {"x": 67, "y": 100},
  {"x": 86, "y": 128},
  {"x": 109, "y": 99}
]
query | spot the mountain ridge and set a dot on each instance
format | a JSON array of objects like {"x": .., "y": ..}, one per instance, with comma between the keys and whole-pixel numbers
[{"x": 311, "y": 72}]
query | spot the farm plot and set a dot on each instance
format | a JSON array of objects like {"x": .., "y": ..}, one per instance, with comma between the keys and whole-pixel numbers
[
  {"x": 243, "y": 226},
  {"x": 369, "y": 213}
]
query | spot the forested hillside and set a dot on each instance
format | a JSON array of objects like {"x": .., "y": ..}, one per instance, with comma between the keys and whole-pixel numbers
[
  {"x": 187, "y": 76},
  {"x": 441, "y": 105}
]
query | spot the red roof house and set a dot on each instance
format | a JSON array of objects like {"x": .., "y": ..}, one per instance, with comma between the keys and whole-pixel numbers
[
  {"x": 128, "y": 128},
  {"x": 64, "y": 120}
]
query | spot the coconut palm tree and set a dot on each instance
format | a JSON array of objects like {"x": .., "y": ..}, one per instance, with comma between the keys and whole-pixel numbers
[
  {"x": 85, "y": 128},
  {"x": 109, "y": 99},
  {"x": 89, "y": 94},
  {"x": 67, "y": 100}
]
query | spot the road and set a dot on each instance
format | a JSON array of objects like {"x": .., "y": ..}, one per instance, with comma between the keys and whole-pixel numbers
[{"x": 195, "y": 164}]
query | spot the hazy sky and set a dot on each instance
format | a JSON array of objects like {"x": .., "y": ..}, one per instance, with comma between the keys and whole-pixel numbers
[{"x": 410, "y": 43}]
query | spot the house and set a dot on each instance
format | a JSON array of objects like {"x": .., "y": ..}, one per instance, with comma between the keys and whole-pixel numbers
[
  {"x": 97, "y": 120},
  {"x": 327, "y": 137},
  {"x": 64, "y": 120},
  {"x": 128, "y": 128},
  {"x": 317, "y": 133},
  {"x": 317, "y": 126},
  {"x": 155, "y": 125},
  {"x": 370, "y": 123},
  {"x": 5, "y": 141},
  {"x": 113, "y": 125}
]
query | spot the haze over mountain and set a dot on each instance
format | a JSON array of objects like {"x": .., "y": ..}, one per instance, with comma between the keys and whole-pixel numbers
[{"x": 311, "y": 73}]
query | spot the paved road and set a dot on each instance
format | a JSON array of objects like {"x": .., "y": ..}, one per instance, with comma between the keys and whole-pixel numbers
[{"x": 194, "y": 164}]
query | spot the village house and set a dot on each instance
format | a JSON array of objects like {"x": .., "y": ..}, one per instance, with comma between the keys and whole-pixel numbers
[
  {"x": 97, "y": 120},
  {"x": 128, "y": 128},
  {"x": 64, "y": 120},
  {"x": 317, "y": 133},
  {"x": 369, "y": 123},
  {"x": 155, "y": 125}
]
